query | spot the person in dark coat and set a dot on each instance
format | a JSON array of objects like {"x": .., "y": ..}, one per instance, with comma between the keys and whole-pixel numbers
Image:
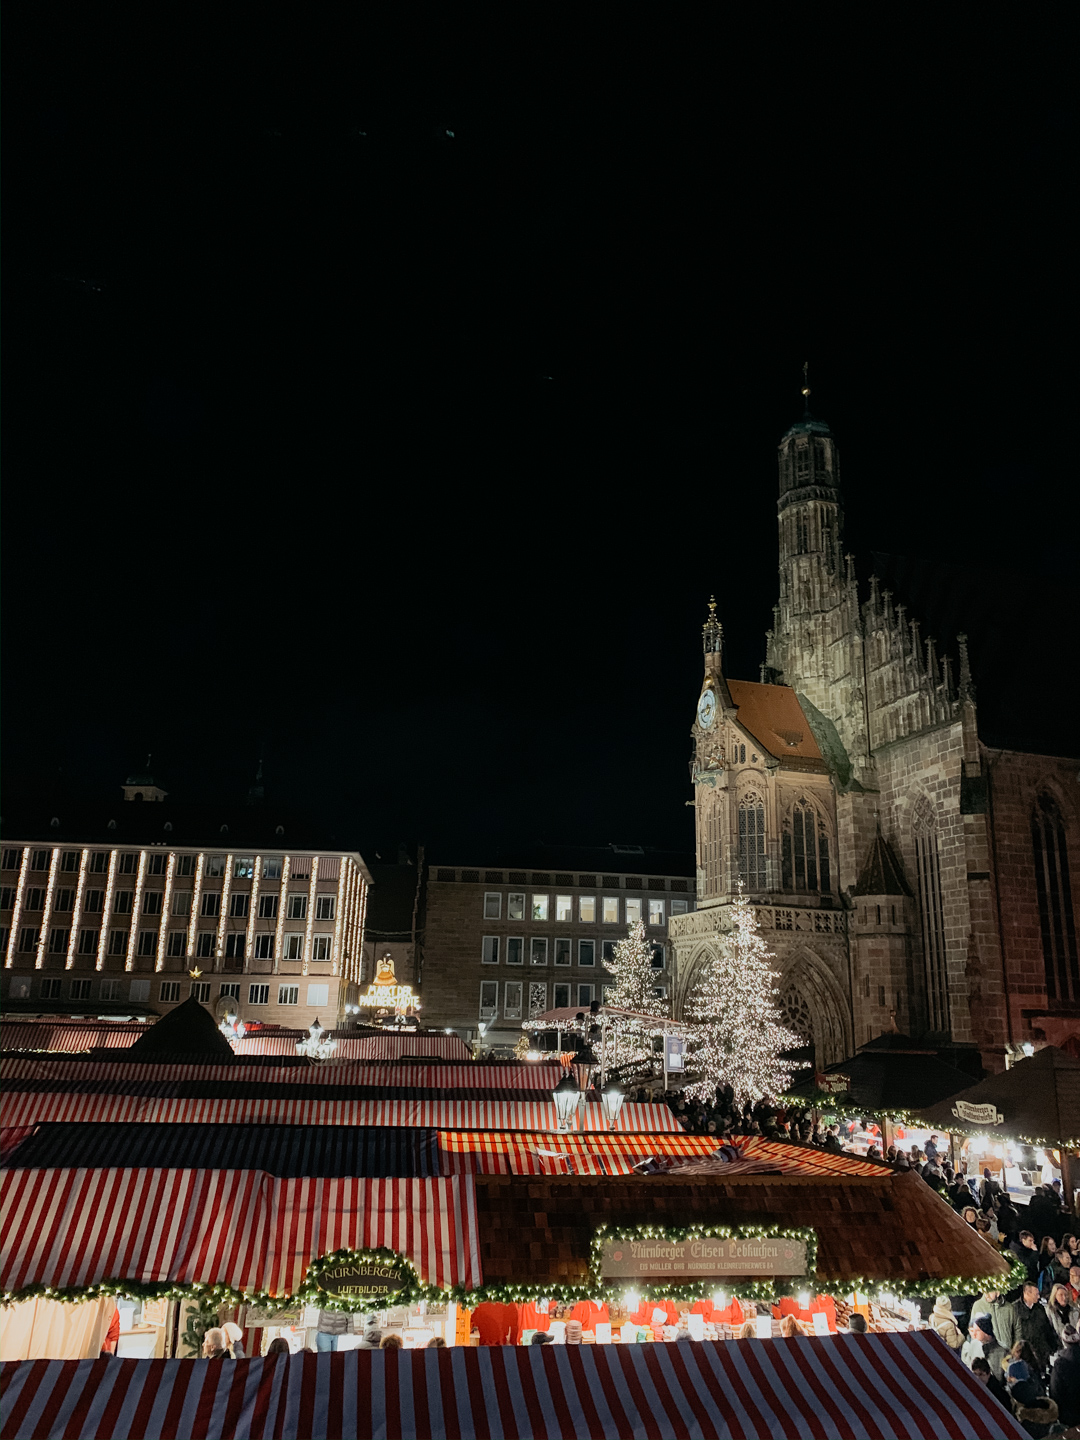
[
  {"x": 1065, "y": 1379},
  {"x": 330, "y": 1328},
  {"x": 981, "y": 1370},
  {"x": 1027, "y": 1252},
  {"x": 1028, "y": 1322},
  {"x": 981, "y": 1345}
]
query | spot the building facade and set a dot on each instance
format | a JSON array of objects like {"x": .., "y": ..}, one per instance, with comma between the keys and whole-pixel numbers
[
  {"x": 504, "y": 943},
  {"x": 899, "y": 868},
  {"x": 117, "y": 919}
]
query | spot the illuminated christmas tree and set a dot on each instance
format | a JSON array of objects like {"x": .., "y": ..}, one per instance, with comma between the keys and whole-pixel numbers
[
  {"x": 634, "y": 989},
  {"x": 735, "y": 1029}
]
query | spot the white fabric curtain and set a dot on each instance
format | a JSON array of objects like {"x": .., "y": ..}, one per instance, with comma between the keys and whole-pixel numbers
[{"x": 51, "y": 1330}]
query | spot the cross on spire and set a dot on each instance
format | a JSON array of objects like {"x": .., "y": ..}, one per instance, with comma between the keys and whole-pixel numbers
[{"x": 806, "y": 386}]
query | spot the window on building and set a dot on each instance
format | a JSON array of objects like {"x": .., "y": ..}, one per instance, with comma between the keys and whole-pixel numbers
[
  {"x": 537, "y": 998},
  {"x": 58, "y": 941},
  {"x": 99, "y": 862},
  {"x": 204, "y": 944},
  {"x": 678, "y": 907},
  {"x": 320, "y": 947},
  {"x": 294, "y": 945},
  {"x": 587, "y": 908},
  {"x": 181, "y": 902},
  {"x": 111, "y": 989},
  {"x": 122, "y": 902},
  {"x": 200, "y": 990},
  {"x": 539, "y": 907},
  {"x": 169, "y": 991},
  {"x": 318, "y": 994},
  {"x": 752, "y": 841},
  {"x": 27, "y": 938},
  {"x": 118, "y": 941},
  {"x": 211, "y": 903},
  {"x": 268, "y": 907},
  {"x": 492, "y": 905},
  {"x": 39, "y": 860},
  {"x": 288, "y": 995},
  {"x": 128, "y": 863},
  {"x": 51, "y": 988},
  {"x": 34, "y": 898},
  {"x": 264, "y": 947},
  {"x": 69, "y": 860},
  {"x": 515, "y": 950},
  {"x": 300, "y": 867},
  {"x": 586, "y": 952},
  {"x": 1053, "y": 888},
  {"x": 11, "y": 859},
  {"x": 230, "y": 990},
  {"x": 176, "y": 943},
  {"x": 93, "y": 902},
  {"x": 258, "y": 994},
  {"x": 214, "y": 865},
  {"x": 658, "y": 957},
  {"x": 185, "y": 865},
  {"x": 656, "y": 912},
  {"x": 512, "y": 999},
  {"x": 931, "y": 912},
  {"x": 236, "y": 944},
  {"x": 88, "y": 942},
  {"x": 271, "y": 869},
  {"x": 608, "y": 953},
  {"x": 561, "y": 994},
  {"x": 297, "y": 906},
  {"x": 538, "y": 950},
  {"x": 806, "y": 849},
  {"x": 515, "y": 906},
  {"x": 5, "y": 935},
  {"x": 324, "y": 907},
  {"x": 239, "y": 904},
  {"x": 489, "y": 999},
  {"x": 152, "y": 902},
  {"x": 564, "y": 907},
  {"x": 139, "y": 990},
  {"x": 489, "y": 950},
  {"x": 63, "y": 901},
  {"x": 586, "y": 994},
  {"x": 563, "y": 954},
  {"x": 147, "y": 942},
  {"x": 7, "y": 897},
  {"x": 611, "y": 909},
  {"x": 633, "y": 911},
  {"x": 157, "y": 863},
  {"x": 243, "y": 867}
]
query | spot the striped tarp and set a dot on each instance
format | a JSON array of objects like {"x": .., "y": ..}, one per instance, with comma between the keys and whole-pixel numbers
[
  {"x": 877, "y": 1387},
  {"x": 56, "y": 1035},
  {"x": 460, "y": 1076},
  {"x": 803, "y": 1159},
  {"x": 23, "y": 1108},
  {"x": 395, "y": 1047},
  {"x": 240, "y": 1227},
  {"x": 36, "y": 1035},
  {"x": 502, "y": 1153}
]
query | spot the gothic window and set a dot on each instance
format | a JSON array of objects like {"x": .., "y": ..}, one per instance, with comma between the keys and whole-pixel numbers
[
  {"x": 752, "y": 841},
  {"x": 795, "y": 1014},
  {"x": 802, "y": 535},
  {"x": 806, "y": 850},
  {"x": 802, "y": 460},
  {"x": 1054, "y": 890},
  {"x": 931, "y": 914}
]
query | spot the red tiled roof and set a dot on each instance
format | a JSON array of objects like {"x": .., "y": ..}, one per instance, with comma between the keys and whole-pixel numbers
[{"x": 773, "y": 716}]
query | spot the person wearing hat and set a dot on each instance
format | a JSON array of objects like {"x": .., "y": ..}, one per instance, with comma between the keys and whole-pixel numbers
[
  {"x": 235, "y": 1337},
  {"x": 1035, "y": 1412},
  {"x": 1065, "y": 1378},
  {"x": 981, "y": 1345},
  {"x": 943, "y": 1321}
]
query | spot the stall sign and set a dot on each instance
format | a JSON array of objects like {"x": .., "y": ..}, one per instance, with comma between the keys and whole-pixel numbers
[
  {"x": 676, "y": 1052},
  {"x": 977, "y": 1114},
  {"x": 256, "y": 1319},
  {"x": 384, "y": 992},
  {"x": 833, "y": 1084},
  {"x": 371, "y": 1282},
  {"x": 669, "y": 1259}
]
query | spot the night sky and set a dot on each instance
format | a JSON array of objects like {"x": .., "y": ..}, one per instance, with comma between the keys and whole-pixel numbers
[{"x": 388, "y": 406}]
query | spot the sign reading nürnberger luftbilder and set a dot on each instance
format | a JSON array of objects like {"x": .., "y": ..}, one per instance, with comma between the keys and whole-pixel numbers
[
  {"x": 368, "y": 1282},
  {"x": 752, "y": 1255}
]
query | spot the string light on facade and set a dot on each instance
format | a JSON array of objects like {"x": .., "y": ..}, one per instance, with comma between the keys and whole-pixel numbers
[
  {"x": 310, "y": 927},
  {"x": 226, "y": 890},
  {"x": 80, "y": 887},
  {"x": 253, "y": 908},
  {"x": 136, "y": 907},
  {"x": 166, "y": 905},
  {"x": 43, "y": 937},
  {"x": 196, "y": 897},
  {"x": 339, "y": 916},
  {"x": 16, "y": 914},
  {"x": 283, "y": 905},
  {"x": 106, "y": 912}
]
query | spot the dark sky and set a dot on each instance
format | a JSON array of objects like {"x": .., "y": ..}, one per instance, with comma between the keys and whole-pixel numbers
[{"x": 389, "y": 405}]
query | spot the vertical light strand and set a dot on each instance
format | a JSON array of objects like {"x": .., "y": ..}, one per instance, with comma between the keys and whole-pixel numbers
[
  {"x": 279, "y": 928},
  {"x": 226, "y": 891},
  {"x": 196, "y": 896},
  {"x": 16, "y": 914},
  {"x": 106, "y": 909},
  {"x": 166, "y": 905},
  {"x": 46, "y": 914},
  {"x": 310, "y": 913},
  {"x": 361, "y": 931},
  {"x": 253, "y": 910},
  {"x": 80, "y": 887},
  {"x": 339, "y": 917},
  {"x": 136, "y": 911},
  {"x": 350, "y": 913}
]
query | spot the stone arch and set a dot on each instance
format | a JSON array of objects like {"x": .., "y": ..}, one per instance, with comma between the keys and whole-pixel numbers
[
  {"x": 688, "y": 974},
  {"x": 813, "y": 1002}
]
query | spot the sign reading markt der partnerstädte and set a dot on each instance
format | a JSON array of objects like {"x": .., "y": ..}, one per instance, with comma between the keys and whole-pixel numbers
[
  {"x": 752, "y": 1255},
  {"x": 364, "y": 1283}
]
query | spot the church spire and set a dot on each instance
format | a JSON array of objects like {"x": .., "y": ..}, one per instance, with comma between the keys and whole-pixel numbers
[
  {"x": 712, "y": 632},
  {"x": 806, "y": 390}
]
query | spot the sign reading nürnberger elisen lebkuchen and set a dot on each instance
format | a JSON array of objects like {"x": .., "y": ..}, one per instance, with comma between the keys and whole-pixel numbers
[{"x": 663, "y": 1259}]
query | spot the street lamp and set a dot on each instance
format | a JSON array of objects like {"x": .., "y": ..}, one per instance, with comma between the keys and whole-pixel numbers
[
  {"x": 315, "y": 1047},
  {"x": 612, "y": 1100},
  {"x": 566, "y": 1095},
  {"x": 585, "y": 1062}
]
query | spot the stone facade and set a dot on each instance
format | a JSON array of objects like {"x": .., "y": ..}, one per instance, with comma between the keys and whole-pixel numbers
[{"x": 849, "y": 789}]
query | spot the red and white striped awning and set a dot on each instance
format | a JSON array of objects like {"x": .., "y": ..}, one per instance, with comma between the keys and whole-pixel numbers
[
  {"x": 875, "y": 1387},
  {"x": 357, "y": 1072},
  {"x": 60, "y": 1035},
  {"x": 236, "y": 1227},
  {"x": 19, "y": 1109},
  {"x": 57, "y": 1035},
  {"x": 802, "y": 1159},
  {"x": 393, "y": 1046},
  {"x": 501, "y": 1153}
]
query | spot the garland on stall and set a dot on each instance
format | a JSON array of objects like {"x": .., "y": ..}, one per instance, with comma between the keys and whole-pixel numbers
[
  {"x": 413, "y": 1290},
  {"x": 844, "y": 1104}
]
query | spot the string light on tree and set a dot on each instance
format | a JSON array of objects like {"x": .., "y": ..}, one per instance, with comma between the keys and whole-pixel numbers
[
  {"x": 735, "y": 1032},
  {"x": 631, "y": 964}
]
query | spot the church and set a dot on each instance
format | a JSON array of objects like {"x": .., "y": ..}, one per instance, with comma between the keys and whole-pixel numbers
[{"x": 904, "y": 874}]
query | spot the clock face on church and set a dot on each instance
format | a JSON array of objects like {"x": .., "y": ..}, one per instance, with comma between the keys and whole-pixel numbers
[{"x": 706, "y": 709}]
